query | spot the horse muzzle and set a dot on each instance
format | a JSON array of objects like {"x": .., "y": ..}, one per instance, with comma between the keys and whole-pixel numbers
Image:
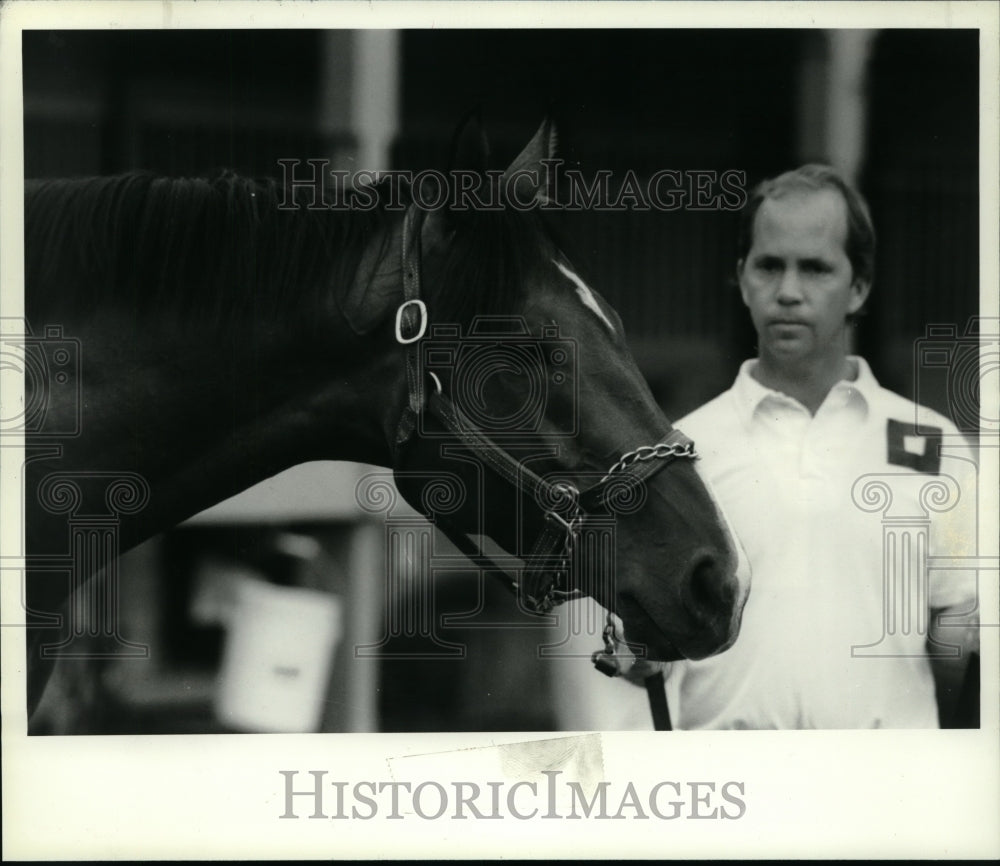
[{"x": 703, "y": 620}]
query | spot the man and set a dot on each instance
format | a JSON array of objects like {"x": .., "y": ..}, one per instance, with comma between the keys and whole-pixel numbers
[{"x": 811, "y": 459}]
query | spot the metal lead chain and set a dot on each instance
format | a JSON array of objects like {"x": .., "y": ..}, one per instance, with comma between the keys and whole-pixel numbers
[
  {"x": 572, "y": 525},
  {"x": 650, "y": 452},
  {"x": 610, "y": 637},
  {"x": 606, "y": 660}
]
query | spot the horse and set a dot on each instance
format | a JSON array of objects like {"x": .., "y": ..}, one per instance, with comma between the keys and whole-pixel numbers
[{"x": 227, "y": 328}]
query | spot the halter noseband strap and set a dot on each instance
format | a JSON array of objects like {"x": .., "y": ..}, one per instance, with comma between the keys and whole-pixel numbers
[{"x": 546, "y": 566}]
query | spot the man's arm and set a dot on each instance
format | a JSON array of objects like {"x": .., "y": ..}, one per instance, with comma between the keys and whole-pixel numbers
[
  {"x": 956, "y": 677},
  {"x": 953, "y": 634}
]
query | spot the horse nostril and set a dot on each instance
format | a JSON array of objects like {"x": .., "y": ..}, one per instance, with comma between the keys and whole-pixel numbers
[{"x": 710, "y": 590}]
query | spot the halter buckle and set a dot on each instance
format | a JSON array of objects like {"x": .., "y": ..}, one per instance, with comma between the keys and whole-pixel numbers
[{"x": 422, "y": 308}]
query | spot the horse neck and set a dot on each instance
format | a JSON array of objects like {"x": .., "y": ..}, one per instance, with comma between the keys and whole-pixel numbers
[
  {"x": 202, "y": 412},
  {"x": 201, "y": 419}
]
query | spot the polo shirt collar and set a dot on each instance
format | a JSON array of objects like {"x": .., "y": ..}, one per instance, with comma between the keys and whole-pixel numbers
[{"x": 749, "y": 393}]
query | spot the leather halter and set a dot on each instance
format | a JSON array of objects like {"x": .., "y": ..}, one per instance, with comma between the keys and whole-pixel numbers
[{"x": 545, "y": 575}]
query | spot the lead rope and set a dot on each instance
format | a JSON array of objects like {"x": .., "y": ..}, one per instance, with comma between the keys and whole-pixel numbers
[
  {"x": 656, "y": 691},
  {"x": 608, "y": 662}
]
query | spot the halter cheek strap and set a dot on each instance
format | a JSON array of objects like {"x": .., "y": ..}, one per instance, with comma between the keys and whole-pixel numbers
[{"x": 411, "y": 323}]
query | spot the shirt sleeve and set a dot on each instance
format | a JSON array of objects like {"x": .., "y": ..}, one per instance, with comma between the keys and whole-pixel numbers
[{"x": 954, "y": 534}]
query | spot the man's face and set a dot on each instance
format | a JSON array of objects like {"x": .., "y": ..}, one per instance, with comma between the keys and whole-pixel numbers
[{"x": 797, "y": 280}]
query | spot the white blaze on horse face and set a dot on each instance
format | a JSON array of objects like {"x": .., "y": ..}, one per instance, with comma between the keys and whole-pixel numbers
[{"x": 585, "y": 294}]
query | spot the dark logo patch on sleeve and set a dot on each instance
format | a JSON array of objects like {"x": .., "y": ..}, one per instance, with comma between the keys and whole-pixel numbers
[{"x": 918, "y": 449}]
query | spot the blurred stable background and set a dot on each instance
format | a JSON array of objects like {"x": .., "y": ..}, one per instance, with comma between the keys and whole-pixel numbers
[{"x": 228, "y": 602}]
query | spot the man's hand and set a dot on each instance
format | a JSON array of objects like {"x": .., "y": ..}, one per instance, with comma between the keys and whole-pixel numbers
[{"x": 953, "y": 647}]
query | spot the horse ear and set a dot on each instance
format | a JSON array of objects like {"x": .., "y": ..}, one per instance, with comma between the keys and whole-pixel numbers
[
  {"x": 528, "y": 172},
  {"x": 470, "y": 151}
]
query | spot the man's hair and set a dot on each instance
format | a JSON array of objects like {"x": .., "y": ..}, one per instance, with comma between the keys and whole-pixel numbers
[{"x": 860, "y": 243}]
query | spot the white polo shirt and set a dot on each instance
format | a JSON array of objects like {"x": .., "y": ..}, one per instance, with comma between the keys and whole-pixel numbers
[{"x": 835, "y": 512}]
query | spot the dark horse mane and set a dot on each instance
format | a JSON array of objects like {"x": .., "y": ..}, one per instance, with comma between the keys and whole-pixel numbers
[{"x": 223, "y": 246}]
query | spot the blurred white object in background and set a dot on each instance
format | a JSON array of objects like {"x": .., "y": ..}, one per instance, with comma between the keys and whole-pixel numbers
[{"x": 277, "y": 658}]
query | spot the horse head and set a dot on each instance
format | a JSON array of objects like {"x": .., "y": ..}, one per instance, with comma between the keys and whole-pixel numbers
[{"x": 517, "y": 384}]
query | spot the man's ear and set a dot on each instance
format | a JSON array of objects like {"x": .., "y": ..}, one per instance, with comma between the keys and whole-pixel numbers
[
  {"x": 739, "y": 281},
  {"x": 860, "y": 289}
]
